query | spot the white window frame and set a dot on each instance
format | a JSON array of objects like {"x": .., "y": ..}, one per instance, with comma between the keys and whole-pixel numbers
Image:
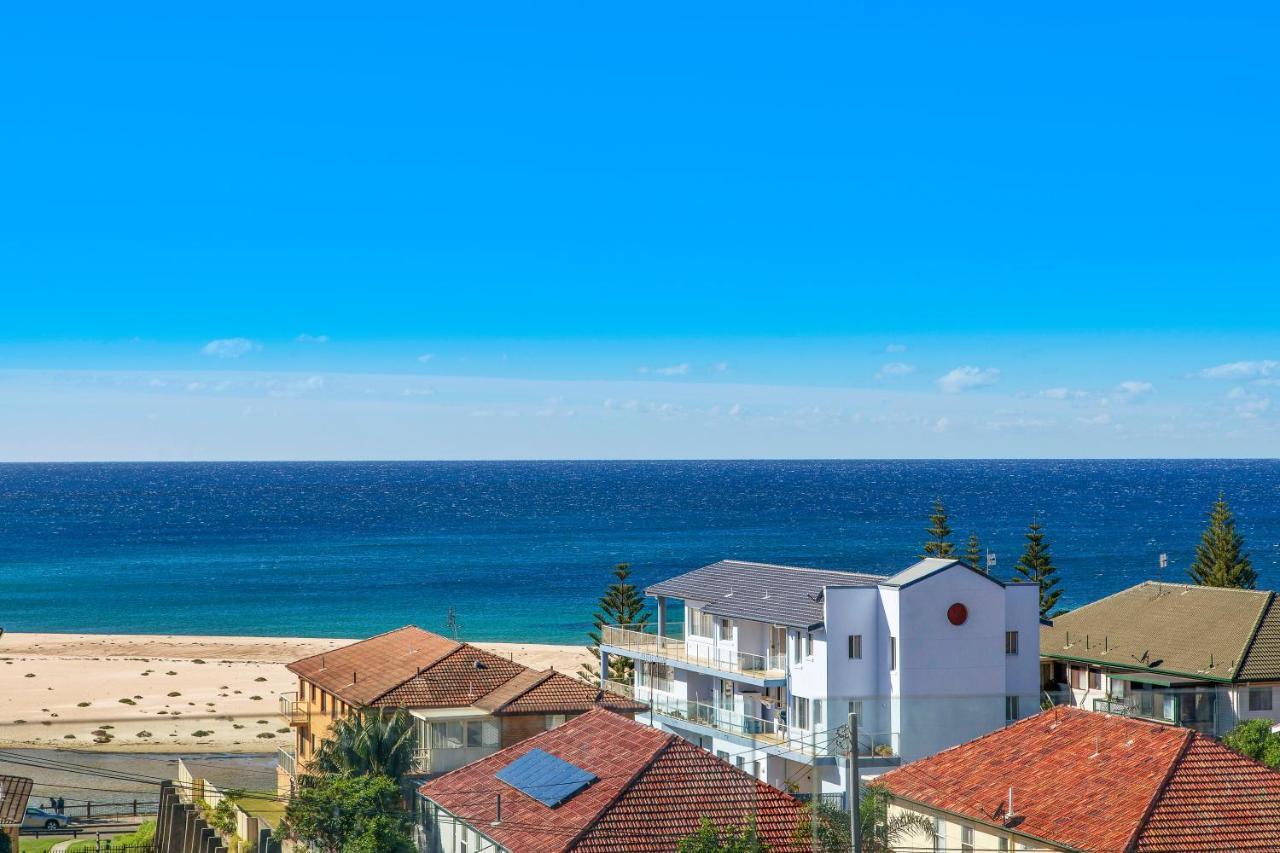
[
  {"x": 855, "y": 647},
  {"x": 554, "y": 721},
  {"x": 1012, "y": 708},
  {"x": 1260, "y": 693},
  {"x": 966, "y": 839},
  {"x": 1010, "y": 642}
]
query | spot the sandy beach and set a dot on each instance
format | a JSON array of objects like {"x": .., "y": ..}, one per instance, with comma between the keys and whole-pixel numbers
[{"x": 165, "y": 693}]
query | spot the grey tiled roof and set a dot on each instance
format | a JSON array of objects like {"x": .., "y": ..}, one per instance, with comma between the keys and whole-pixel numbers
[
  {"x": 782, "y": 595},
  {"x": 1174, "y": 629},
  {"x": 1262, "y": 661}
]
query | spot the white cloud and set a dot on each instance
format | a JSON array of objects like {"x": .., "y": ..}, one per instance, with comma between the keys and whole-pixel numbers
[
  {"x": 426, "y": 356},
  {"x": 720, "y": 367},
  {"x": 1240, "y": 370},
  {"x": 896, "y": 348},
  {"x": 230, "y": 347},
  {"x": 312, "y": 339},
  {"x": 895, "y": 368},
  {"x": 941, "y": 424},
  {"x": 964, "y": 378},
  {"x": 1133, "y": 388},
  {"x": 673, "y": 370},
  {"x": 1062, "y": 394},
  {"x": 1100, "y": 419},
  {"x": 735, "y": 410}
]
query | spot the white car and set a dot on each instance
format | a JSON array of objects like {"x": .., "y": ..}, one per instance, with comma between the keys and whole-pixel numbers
[{"x": 41, "y": 819}]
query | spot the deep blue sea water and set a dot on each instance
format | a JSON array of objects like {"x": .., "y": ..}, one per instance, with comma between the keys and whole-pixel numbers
[{"x": 522, "y": 550}]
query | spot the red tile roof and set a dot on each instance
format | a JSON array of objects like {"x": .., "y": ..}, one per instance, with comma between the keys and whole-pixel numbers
[
  {"x": 652, "y": 789},
  {"x": 1098, "y": 782},
  {"x": 413, "y": 668},
  {"x": 1216, "y": 799},
  {"x": 361, "y": 672}
]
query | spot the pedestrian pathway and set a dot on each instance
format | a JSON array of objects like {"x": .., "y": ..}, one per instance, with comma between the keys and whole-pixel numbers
[{"x": 61, "y": 847}]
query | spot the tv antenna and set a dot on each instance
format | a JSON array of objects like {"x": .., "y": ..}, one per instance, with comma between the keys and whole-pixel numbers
[
  {"x": 991, "y": 560},
  {"x": 451, "y": 622}
]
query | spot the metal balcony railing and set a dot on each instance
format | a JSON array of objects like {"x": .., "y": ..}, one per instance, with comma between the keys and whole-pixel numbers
[
  {"x": 293, "y": 709},
  {"x": 288, "y": 761},
  {"x": 775, "y": 732},
  {"x": 710, "y": 657}
]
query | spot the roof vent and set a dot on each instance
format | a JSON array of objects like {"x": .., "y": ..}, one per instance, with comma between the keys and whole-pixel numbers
[{"x": 1009, "y": 813}]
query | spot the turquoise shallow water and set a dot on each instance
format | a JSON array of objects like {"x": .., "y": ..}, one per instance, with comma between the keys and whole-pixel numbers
[{"x": 522, "y": 550}]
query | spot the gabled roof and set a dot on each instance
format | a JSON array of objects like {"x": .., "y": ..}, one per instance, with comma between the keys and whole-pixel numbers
[
  {"x": 1092, "y": 781},
  {"x": 1173, "y": 629},
  {"x": 413, "y": 668},
  {"x": 783, "y": 595},
  {"x": 651, "y": 790},
  {"x": 928, "y": 567},
  {"x": 14, "y": 793}
]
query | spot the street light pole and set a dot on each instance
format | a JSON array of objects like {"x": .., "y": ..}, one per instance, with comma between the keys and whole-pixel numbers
[{"x": 851, "y": 786}]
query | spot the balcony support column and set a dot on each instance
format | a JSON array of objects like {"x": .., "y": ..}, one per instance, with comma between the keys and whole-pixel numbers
[{"x": 662, "y": 618}]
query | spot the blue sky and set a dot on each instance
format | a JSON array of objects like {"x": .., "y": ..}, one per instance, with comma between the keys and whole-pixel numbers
[{"x": 602, "y": 230}]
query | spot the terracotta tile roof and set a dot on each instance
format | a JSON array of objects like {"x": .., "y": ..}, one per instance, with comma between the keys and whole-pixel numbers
[
  {"x": 560, "y": 694},
  {"x": 459, "y": 679},
  {"x": 652, "y": 789},
  {"x": 1178, "y": 629},
  {"x": 14, "y": 793},
  {"x": 522, "y": 683},
  {"x": 361, "y": 672},
  {"x": 1101, "y": 783},
  {"x": 413, "y": 668},
  {"x": 1216, "y": 799}
]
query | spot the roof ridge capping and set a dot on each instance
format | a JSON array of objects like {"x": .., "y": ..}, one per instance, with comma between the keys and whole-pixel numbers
[
  {"x": 367, "y": 639},
  {"x": 790, "y": 567}
]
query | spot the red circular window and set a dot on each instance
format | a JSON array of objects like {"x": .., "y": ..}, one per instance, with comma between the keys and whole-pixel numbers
[{"x": 957, "y": 614}]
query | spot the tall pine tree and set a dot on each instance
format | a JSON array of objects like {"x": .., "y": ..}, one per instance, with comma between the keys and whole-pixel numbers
[
  {"x": 937, "y": 545},
  {"x": 973, "y": 553},
  {"x": 623, "y": 605},
  {"x": 1220, "y": 560},
  {"x": 1036, "y": 565}
]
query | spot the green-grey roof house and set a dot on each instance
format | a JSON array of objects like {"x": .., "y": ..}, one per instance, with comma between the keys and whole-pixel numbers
[{"x": 1195, "y": 656}]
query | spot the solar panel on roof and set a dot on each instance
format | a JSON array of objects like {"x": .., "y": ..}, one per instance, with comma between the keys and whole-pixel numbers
[{"x": 547, "y": 779}]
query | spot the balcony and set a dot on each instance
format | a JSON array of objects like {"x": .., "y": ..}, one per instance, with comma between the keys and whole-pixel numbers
[
  {"x": 444, "y": 759},
  {"x": 287, "y": 761},
  {"x": 822, "y": 743},
  {"x": 631, "y": 641},
  {"x": 293, "y": 709}
]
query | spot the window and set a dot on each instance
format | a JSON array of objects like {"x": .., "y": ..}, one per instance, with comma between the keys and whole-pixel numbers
[
  {"x": 893, "y": 654},
  {"x": 464, "y": 840},
  {"x": 795, "y": 648},
  {"x": 658, "y": 676},
  {"x": 1095, "y": 679},
  {"x": 939, "y": 835},
  {"x": 323, "y": 701},
  {"x": 817, "y": 713},
  {"x": 739, "y": 761},
  {"x": 555, "y": 721},
  {"x": 726, "y": 630},
  {"x": 725, "y": 695},
  {"x": 966, "y": 839},
  {"x": 457, "y": 734},
  {"x": 808, "y": 644},
  {"x": 700, "y": 624},
  {"x": 802, "y": 712},
  {"x": 1010, "y": 642},
  {"x": 1259, "y": 698},
  {"x": 1078, "y": 676},
  {"x": 722, "y": 755},
  {"x": 1010, "y": 708},
  {"x": 855, "y": 647},
  {"x": 1002, "y": 844}
]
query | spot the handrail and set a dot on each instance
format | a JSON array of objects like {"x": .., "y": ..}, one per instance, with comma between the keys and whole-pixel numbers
[
  {"x": 698, "y": 654},
  {"x": 768, "y": 732},
  {"x": 287, "y": 761}
]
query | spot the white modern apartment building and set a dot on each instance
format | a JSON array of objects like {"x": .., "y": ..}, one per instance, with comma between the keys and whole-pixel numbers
[{"x": 770, "y": 660}]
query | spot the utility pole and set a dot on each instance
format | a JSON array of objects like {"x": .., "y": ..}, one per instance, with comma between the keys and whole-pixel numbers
[
  {"x": 815, "y": 788},
  {"x": 851, "y": 786}
]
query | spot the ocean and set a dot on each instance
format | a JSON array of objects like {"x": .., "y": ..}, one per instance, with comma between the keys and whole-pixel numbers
[{"x": 522, "y": 550}]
